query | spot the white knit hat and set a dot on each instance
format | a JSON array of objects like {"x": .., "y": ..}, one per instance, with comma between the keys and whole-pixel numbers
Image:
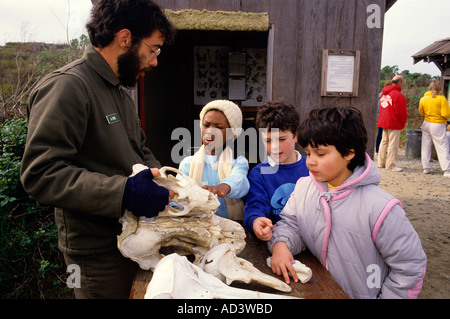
[{"x": 231, "y": 111}]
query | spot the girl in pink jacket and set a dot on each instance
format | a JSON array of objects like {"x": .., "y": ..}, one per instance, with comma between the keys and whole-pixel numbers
[{"x": 358, "y": 231}]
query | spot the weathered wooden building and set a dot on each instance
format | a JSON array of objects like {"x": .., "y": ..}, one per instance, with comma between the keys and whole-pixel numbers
[{"x": 286, "y": 47}]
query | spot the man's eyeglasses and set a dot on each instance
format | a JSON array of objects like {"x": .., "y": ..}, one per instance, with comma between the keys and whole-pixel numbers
[{"x": 153, "y": 53}]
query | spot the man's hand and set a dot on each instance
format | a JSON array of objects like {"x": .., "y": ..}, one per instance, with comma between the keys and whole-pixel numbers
[{"x": 143, "y": 197}]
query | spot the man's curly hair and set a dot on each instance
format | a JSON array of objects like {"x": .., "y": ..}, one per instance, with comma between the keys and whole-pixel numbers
[{"x": 141, "y": 17}]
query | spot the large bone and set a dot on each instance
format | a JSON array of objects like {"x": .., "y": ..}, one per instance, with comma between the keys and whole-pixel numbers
[
  {"x": 177, "y": 278},
  {"x": 190, "y": 199},
  {"x": 222, "y": 262},
  {"x": 142, "y": 238},
  {"x": 194, "y": 229}
]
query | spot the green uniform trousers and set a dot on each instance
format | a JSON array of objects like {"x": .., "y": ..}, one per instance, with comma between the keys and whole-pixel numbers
[{"x": 101, "y": 276}]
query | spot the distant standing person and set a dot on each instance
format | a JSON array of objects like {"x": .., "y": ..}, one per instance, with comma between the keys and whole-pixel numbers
[
  {"x": 434, "y": 107},
  {"x": 379, "y": 129},
  {"x": 448, "y": 137},
  {"x": 392, "y": 118}
]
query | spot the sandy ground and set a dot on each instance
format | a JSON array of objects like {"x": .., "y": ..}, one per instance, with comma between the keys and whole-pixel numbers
[{"x": 426, "y": 200}]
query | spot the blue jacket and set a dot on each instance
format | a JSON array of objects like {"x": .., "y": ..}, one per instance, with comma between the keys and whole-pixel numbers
[{"x": 270, "y": 188}]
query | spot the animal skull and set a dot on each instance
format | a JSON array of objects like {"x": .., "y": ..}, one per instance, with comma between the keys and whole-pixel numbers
[
  {"x": 190, "y": 199},
  {"x": 195, "y": 230}
]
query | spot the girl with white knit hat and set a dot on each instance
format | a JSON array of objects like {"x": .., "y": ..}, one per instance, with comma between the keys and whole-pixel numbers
[{"x": 213, "y": 166}]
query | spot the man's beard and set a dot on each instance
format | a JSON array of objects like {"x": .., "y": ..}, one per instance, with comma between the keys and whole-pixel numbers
[{"x": 129, "y": 66}]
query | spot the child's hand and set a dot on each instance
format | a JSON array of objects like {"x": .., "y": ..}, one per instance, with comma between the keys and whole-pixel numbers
[
  {"x": 281, "y": 262},
  {"x": 220, "y": 190},
  {"x": 262, "y": 227}
]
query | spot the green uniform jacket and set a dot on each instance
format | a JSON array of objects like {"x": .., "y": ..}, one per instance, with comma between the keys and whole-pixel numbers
[{"x": 84, "y": 136}]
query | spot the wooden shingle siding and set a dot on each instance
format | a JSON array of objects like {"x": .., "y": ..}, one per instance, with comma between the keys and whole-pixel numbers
[{"x": 301, "y": 29}]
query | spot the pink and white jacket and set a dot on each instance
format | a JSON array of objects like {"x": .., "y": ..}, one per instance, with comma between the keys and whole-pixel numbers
[{"x": 359, "y": 232}]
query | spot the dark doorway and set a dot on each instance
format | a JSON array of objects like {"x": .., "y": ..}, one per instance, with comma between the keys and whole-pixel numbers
[{"x": 169, "y": 89}]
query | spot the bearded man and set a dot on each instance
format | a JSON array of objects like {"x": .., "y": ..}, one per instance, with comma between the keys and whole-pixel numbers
[{"x": 84, "y": 136}]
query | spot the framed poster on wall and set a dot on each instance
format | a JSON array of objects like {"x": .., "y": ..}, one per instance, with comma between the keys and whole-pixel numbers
[{"x": 340, "y": 73}]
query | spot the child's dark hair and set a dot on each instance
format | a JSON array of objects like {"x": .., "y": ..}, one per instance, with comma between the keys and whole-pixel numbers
[
  {"x": 278, "y": 115},
  {"x": 141, "y": 17},
  {"x": 342, "y": 127}
]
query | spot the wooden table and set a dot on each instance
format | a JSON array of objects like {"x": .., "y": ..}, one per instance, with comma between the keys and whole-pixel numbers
[{"x": 320, "y": 286}]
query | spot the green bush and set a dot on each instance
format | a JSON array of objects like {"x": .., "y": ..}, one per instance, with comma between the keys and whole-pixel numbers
[{"x": 29, "y": 258}]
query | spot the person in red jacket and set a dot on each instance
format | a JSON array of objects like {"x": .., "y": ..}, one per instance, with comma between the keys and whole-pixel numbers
[{"x": 392, "y": 118}]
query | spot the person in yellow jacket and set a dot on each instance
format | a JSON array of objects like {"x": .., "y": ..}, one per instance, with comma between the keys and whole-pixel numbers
[{"x": 436, "y": 110}]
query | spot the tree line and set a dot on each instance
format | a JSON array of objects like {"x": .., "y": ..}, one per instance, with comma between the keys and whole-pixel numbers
[{"x": 22, "y": 64}]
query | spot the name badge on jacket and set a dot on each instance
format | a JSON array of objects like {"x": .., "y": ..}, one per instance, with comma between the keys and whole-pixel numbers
[{"x": 112, "y": 118}]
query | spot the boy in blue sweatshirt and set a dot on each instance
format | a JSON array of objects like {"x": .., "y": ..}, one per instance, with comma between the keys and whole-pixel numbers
[{"x": 272, "y": 181}]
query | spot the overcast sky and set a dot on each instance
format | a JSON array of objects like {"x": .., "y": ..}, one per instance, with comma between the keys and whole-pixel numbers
[{"x": 410, "y": 26}]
